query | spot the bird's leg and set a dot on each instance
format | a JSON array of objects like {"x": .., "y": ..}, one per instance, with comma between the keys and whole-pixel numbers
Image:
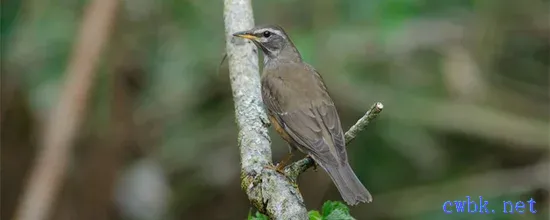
[{"x": 281, "y": 165}]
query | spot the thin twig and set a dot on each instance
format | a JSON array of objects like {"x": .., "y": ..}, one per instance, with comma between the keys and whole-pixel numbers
[
  {"x": 362, "y": 123},
  {"x": 64, "y": 121},
  {"x": 294, "y": 170}
]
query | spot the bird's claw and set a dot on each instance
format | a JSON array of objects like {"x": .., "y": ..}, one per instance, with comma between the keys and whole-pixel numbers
[{"x": 279, "y": 168}]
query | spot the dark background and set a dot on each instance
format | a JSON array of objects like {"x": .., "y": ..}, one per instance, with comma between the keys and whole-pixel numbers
[{"x": 464, "y": 84}]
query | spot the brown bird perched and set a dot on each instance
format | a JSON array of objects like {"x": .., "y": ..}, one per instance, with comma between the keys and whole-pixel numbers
[{"x": 301, "y": 110}]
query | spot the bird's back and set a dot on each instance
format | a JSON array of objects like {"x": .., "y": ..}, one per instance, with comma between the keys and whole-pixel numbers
[
  {"x": 294, "y": 84},
  {"x": 296, "y": 96}
]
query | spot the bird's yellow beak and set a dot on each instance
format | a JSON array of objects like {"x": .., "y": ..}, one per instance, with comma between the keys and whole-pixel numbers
[{"x": 245, "y": 35}]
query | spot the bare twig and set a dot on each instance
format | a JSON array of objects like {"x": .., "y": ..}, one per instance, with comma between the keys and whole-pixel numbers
[
  {"x": 362, "y": 123},
  {"x": 294, "y": 170},
  {"x": 268, "y": 190},
  {"x": 61, "y": 129}
]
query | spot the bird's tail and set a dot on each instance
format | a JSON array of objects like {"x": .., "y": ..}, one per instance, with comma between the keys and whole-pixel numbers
[{"x": 349, "y": 186}]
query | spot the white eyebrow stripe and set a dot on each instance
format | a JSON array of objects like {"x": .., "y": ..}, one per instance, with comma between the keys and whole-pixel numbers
[{"x": 277, "y": 32}]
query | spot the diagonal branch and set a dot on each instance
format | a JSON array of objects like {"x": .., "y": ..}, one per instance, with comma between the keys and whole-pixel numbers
[
  {"x": 294, "y": 170},
  {"x": 362, "y": 123}
]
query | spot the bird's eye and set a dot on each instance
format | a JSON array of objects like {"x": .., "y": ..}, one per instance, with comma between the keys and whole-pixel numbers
[{"x": 267, "y": 33}]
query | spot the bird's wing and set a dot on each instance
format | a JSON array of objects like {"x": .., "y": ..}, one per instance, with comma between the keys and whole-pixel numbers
[{"x": 312, "y": 123}]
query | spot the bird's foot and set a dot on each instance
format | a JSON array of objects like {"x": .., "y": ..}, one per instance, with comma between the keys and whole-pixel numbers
[
  {"x": 281, "y": 165},
  {"x": 278, "y": 168}
]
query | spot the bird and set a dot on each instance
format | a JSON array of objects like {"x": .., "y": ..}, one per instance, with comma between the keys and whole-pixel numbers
[{"x": 301, "y": 110}]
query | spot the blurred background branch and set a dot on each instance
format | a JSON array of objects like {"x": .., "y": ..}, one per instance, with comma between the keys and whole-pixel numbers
[{"x": 62, "y": 128}]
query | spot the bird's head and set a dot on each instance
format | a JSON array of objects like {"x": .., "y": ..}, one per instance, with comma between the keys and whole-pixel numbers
[{"x": 272, "y": 39}]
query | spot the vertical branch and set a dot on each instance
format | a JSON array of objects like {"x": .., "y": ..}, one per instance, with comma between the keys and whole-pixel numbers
[
  {"x": 64, "y": 121},
  {"x": 245, "y": 83},
  {"x": 269, "y": 191}
]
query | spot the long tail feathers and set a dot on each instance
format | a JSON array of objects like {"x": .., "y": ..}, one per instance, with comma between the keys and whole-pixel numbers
[{"x": 349, "y": 186}]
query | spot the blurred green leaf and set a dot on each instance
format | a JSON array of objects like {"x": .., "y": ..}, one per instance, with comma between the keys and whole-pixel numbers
[
  {"x": 333, "y": 210},
  {"x": 315, "y": 215},
  {"x": 339, "y": 214}
]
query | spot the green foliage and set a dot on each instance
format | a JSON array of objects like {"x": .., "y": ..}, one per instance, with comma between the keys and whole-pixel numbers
[
  {"x": 332, "y": 210},
  {"x": 258, "y": 216},
  {"x": 315, "y": 215}
]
